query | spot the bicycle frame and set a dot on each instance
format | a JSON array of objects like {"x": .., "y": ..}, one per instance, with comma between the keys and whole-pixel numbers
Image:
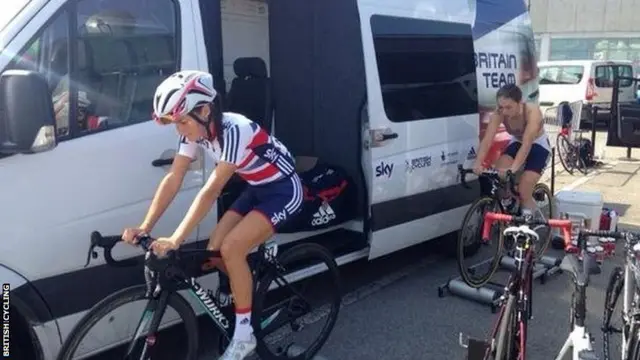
[
  {"x": 579, "y": 340},
  {"x": 520, "y": 282},
  {"x": 172, "y": 279},
  {"x": 520, "y": 286}
]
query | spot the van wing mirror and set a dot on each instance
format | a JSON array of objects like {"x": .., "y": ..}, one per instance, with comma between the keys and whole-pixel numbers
[{"x": 27, "y": 120}]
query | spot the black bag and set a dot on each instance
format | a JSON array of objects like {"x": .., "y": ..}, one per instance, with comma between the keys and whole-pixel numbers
[
  {"x": 584, "y": 149},
  {"x": 327, "y": 199}
]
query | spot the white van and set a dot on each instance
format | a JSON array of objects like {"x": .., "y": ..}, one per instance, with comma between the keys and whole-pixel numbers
[
  {"x": 386, "y": 90},
  {"x": 589, "y": 81}
]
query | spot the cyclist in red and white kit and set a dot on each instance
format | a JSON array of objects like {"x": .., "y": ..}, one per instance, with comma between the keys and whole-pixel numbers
[{"x": 239, "y": 146}]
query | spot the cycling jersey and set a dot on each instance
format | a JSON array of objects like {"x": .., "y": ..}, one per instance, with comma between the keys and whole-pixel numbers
[{"x": 260, "y": 158}]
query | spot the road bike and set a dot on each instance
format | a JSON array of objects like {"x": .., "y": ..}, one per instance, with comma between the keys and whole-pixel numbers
[
  {"x": 509, "y": 335},
  {"x": 569, "y": 152},
  {"x": 580, "y": 261},
  {"x": 624, "y": 280},
  {"x": 502, "y": 197},
  {"x": 274, "y": 313}
]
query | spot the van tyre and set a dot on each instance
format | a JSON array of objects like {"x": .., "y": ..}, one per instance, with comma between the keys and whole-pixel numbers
[{"x": 123, "y": 297}]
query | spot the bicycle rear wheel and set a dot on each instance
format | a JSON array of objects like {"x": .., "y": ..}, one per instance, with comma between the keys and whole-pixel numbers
[
  {"x": 281, "y": 313},
  {"x": 145, "y": 346},
  {"x": 507, "y": 337},
  {"x": 544, "y": 201},
  {"x": 580, "y": 164},
  {"x": 479, "y": 260},
  {"x": 565, "y": 153}
]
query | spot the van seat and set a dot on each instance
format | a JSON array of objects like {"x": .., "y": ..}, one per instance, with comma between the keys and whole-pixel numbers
[
  {"x": 112, "y": 64},
  {"x": 155, "y": 59},
  {"x": 250, "y": 92}
]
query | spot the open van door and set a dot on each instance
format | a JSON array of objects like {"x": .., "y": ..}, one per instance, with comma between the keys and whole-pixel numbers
[
  {"x": 423, "y": 122},
  {"x": 624, "y": 127}
]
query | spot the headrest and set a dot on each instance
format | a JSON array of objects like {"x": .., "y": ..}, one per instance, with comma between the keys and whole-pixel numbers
[
  {"x": 108, "y": 54},
  {"x": 250, "y": 67}
]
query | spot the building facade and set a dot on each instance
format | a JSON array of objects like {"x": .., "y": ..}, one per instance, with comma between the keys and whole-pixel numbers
[{"x": 586, "y": 29}]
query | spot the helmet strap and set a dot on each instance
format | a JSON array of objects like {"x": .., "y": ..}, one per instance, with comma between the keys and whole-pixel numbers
[{"x": 206, "y": 123}]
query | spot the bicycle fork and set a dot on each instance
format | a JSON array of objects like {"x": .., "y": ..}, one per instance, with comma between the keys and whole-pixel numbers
[{"x": 152, "y": 315}]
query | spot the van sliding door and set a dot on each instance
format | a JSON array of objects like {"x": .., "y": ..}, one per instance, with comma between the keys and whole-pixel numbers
[{"x": 423, "y": 122}]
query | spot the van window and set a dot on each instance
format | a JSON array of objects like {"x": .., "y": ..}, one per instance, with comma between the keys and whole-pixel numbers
[
  {"x": 605, "y": 75},
  {"x": 122, "y": 50},
  {"x": 426, "y": 68},
  {"x": 560, "y": 74}
]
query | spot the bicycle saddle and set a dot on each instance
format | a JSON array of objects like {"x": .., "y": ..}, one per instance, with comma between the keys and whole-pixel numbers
[{"x": 580, "y": 271}]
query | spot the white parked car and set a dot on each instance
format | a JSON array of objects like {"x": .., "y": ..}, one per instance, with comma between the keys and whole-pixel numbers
[{"x": 589, "y": 81}]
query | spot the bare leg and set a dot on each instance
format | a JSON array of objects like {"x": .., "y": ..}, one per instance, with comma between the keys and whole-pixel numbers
[
  {"x": 228, "y": 221},
  {"x": 528, "y": 180},
  {"x": 254, "y": 229}
]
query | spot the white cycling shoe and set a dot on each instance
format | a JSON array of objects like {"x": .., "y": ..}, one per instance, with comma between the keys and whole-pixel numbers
[{"x": 239, "y": 349}]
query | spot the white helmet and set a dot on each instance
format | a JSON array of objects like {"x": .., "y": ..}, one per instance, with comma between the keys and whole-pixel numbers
[{"x": 180, "y": 93}]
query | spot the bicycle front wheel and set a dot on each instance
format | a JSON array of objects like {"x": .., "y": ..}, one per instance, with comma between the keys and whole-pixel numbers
[
  {"x": 479, "y": 260},
  {"x": 634, "y": 344},
  {"x": 612, "y": 306},
  {"x": 282, "y": 310},
  {"x": 107, "y": 329}
]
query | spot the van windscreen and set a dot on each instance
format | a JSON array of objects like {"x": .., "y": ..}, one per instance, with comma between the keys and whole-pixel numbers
[{"x": 560, "y": 74}]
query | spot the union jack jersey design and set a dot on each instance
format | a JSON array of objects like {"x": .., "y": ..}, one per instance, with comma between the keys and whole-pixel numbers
[{"x": 260, "y": 158}]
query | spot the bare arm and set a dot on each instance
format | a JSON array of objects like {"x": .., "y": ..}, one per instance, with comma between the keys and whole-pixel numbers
[
  {"x": 534, "y": 123},
  {"x": 489, "y": 134},
  {"x": 204, "y": 200},
  {"x": 166, "y": 191}
]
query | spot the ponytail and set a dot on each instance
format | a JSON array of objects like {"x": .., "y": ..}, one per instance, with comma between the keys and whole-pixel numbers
[{"x": 215, "y": 118}]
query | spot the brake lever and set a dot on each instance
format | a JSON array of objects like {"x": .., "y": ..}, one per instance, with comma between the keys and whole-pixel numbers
[
  {"x": 463, "y": 175},
  {"x": 92, "y": 253}
]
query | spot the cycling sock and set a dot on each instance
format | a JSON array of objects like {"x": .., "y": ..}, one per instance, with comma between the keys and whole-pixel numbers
[{"x": 243, "y": 328}]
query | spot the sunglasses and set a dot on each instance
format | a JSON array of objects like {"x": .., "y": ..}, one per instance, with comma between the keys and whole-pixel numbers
[{"x": 168, "y": 119}]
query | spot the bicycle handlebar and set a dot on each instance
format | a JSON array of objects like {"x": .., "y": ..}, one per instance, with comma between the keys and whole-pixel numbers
[
  {"x": 491, "y": 217},
  {"x": 619, "y": 235},
  {"x": 491, "y": 173},
  {"x": 108, "y": 242}
]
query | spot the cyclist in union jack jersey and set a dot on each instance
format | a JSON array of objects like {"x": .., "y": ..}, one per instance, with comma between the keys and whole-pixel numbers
[{"x": 239, "y": 146}]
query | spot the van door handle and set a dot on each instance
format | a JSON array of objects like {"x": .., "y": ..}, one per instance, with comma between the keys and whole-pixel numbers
[
  {"x": 161, "y": 162},
  {"x": 380, "y": 136},
  {"x": 389, "y": 136}
]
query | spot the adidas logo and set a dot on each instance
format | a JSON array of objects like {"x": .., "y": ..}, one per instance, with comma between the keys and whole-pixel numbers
[
  {"x": 323, "y": 215},
  {"x": 471, "y": 154}
]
